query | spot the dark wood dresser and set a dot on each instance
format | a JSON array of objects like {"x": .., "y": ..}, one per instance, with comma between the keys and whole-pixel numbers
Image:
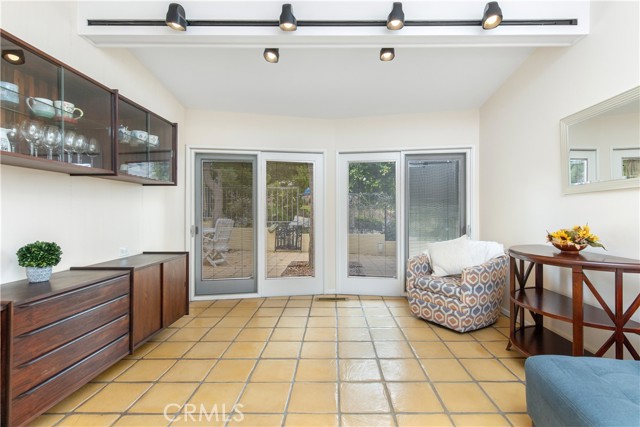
[
  {"x": 58, "y": 335},
  {"x": 159, "y": 290}
]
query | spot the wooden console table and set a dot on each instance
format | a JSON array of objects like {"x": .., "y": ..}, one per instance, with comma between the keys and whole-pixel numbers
[{"x": 540, "y": 302}]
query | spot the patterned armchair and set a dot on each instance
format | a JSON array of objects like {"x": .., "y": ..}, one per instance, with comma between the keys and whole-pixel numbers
[{"x": 463, "y": 303}]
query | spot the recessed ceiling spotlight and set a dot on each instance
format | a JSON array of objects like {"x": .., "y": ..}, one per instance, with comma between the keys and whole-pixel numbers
[
  {"x": 271, "y": 55},
  {"x": 13, "y": 56},
  {"x": 287, "y": 21},
  {"x": 492, "y": 16},
  {"x": 395, "y": 21},
  {"x": 387, "y": 54},
  {"x": 176, "y": 17}
]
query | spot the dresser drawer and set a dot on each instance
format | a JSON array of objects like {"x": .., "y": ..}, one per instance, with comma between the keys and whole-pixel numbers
[
  {"x": 30, "y": 374},
  {"x": 34, "y": 344},
  {"x": 32, "y": 403},
  {"x": 30, "y": 316}
]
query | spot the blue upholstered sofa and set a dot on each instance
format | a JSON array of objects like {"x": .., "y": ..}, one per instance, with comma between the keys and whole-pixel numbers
[{"x": 583, "y": 391}]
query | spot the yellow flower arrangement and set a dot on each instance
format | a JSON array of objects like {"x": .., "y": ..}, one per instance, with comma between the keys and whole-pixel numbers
[{"x": 578, "y": 236}]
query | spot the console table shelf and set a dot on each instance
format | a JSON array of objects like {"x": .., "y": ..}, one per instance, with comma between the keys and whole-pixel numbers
[
  {"x": 541, "y": 302},
  {"x": 533, "y": 340},
  {"x": 558, "y": 306}
]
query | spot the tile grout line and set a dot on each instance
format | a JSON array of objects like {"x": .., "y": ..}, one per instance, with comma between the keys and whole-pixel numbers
[
  {"x": 362, "y": 307},
  {"x": 179, "y": 411},
  {"x": 257, "y": 360},
  {"x": 392, "y": 409},
  {"x": 408, "y": 342},
  {"x": 300, "y": 359}
]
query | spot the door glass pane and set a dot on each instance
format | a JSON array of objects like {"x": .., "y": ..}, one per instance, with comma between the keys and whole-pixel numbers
[
  {"x": 227, "y": 220},
  {"x": 435, "y": 200},
  {"x": 372, "y": 219},
  {"x": 289, "y": 225}
]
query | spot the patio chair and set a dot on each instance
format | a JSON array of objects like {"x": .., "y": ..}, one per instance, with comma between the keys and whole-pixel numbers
[{"x": 215, "y": 247}]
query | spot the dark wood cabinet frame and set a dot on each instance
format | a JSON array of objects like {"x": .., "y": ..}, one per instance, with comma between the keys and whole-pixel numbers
[{"x": 27, "y": 161}]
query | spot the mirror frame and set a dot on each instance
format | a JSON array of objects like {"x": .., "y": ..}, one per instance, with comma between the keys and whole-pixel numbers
[{"x": 590, "y": 112}]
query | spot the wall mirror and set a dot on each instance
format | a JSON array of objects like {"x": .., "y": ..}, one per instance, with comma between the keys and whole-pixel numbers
[{"x": 601, "y": 145}]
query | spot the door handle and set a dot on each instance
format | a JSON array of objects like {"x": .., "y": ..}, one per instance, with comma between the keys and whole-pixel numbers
[{"x": 194, "y": 230}]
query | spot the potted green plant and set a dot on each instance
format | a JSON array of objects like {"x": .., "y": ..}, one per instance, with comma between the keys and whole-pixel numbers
[{"x": 39, "y": 258}]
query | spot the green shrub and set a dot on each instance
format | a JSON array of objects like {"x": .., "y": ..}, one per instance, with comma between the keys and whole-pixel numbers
[{"x": 39, "y": 254}]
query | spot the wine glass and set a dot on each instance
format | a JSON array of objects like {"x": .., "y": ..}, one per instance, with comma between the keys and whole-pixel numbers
[
  {"x": 93, "y": 149},
  {"x": 13, "y": 135},
  {"x": 52, "y": 139},
  {"x": 79, "y": 147},
  {"x": 68, "y": 143},
  {"x": 32, "y": 132}
]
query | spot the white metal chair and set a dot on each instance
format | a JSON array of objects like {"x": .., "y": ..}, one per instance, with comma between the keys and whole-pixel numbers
[{"x": 215, "y": 247}]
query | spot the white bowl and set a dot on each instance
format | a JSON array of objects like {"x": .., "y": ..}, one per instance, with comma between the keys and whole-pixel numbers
[
  {"x": 154, "y": 141},
  {"x": 140, "y": 134},
  {"x": 9, "y": 92}
]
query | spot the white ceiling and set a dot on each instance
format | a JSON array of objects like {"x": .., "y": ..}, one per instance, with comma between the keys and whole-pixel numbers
[
  {"x": 333, "y": 72},
  {"x": 332, "y": 83}
]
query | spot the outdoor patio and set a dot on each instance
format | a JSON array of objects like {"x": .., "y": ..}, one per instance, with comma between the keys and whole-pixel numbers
[{"x": 239, "y": 264}]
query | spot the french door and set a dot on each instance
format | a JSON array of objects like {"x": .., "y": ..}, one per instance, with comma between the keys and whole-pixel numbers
[
  {"x": 224, "y": 231},
  {"x": 368, "y": 226},
  {"x": 291, "y": 198},
  {"x": 258, "y": 224},
  {"x": 373, "y": 243}
]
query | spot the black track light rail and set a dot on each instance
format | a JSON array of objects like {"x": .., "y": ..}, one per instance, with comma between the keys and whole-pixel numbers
[{"x": 373, "y": 23}]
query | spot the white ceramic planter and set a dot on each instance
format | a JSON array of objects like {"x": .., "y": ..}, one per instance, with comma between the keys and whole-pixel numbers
[{"x": 38, "y": 274}]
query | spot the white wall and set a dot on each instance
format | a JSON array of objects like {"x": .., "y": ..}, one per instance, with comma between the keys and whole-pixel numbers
[
  {"x": 520, "y": 183},
  {"x": 92, "y": 218},
  {"x": 222, "y": 130},
  {"x": 89, "y": 218}
]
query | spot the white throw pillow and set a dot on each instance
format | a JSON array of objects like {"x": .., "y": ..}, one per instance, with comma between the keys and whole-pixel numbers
[
  {"x": 451, "y": 256},
  {"x": 481, "y": 252}
]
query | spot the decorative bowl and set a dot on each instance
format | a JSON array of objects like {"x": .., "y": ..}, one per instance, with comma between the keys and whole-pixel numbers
[{"x": 569, "y": 247}]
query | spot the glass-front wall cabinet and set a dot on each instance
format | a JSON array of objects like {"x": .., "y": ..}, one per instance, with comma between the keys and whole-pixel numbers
[
  {"x": 51, "y": 117},
  {"x": 145, "y": 145},
  {"x": 55, "y": 118}
]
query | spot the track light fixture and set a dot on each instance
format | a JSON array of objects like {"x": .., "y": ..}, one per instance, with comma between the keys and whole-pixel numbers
[
  {"x": 395, "y": 21},
  {"x": 176, "y": 17},
  {"x": 492, "y": 16},
  {"x": 387, "y": 54},
  {"x": 13, "y": 56},
  {"x": 271, "y": 55},
  {"x": 287, "y": 21}
]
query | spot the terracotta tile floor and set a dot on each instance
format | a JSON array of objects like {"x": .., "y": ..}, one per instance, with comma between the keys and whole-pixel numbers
[{"x": 300, "y": 362}]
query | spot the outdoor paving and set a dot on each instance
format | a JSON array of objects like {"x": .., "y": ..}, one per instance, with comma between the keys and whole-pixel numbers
[{"x": 239, "y": 264}]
